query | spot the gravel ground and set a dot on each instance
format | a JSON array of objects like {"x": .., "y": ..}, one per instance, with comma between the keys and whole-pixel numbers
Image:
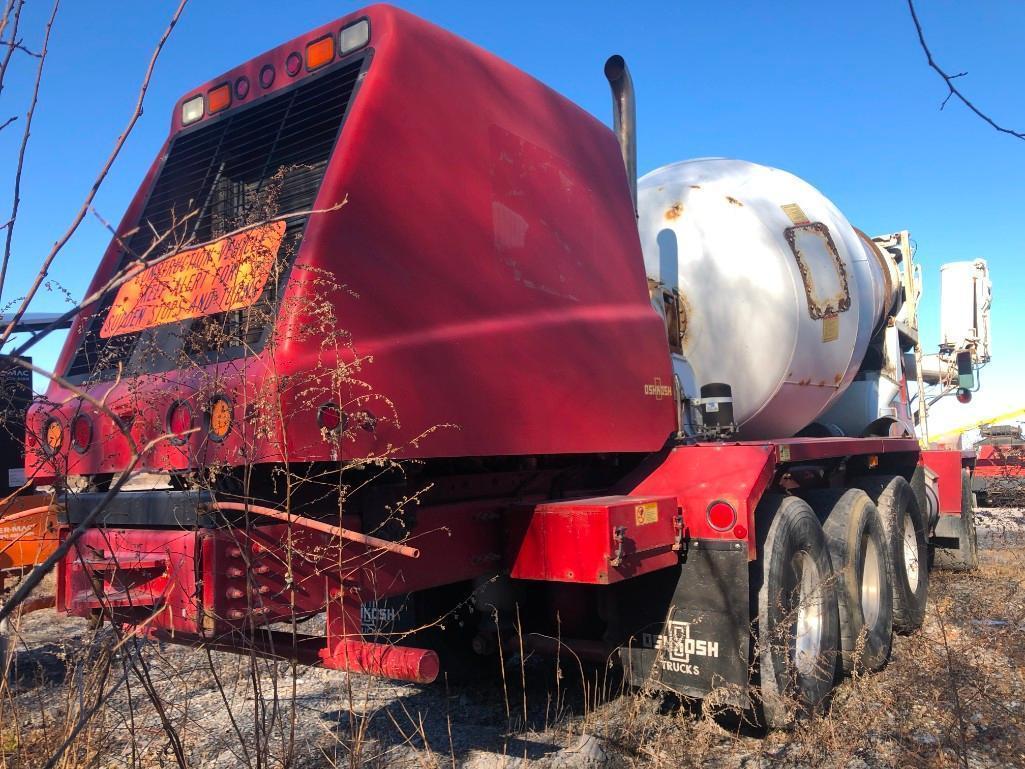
[{"x": 952, "y": 696}]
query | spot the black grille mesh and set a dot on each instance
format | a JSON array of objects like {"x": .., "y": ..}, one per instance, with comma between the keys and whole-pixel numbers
[{"x": 262, "y": 161}]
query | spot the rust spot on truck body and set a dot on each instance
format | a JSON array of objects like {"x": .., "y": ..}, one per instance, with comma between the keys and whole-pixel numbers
[{"x": 674, "y": 212}]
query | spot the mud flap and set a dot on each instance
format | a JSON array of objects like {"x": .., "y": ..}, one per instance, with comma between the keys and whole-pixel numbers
[
  {"x": 949, "y": 529},
  {"x": 689, "y": 628}
]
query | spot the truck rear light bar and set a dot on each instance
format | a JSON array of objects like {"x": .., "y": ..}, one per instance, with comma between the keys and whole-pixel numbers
[{"x": 319, "y": 53}]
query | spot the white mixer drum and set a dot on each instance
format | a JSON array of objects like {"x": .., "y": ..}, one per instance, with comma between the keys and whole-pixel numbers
[{"x": 780, "y": 295}]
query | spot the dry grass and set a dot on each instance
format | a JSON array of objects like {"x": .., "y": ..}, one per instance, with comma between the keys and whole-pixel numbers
[{"x": 953, "y": 696}]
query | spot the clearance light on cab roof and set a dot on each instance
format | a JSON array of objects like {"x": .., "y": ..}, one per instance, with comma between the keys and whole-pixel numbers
[
  {"x": 354, "y": 37},
  {"x": 320, "y": 52},
  {"x": 218, "y": 98},
  {"x": 192, "y": 110}
]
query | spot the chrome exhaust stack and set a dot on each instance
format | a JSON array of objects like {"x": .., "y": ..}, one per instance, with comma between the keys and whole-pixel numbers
[{"x": 624, "y": 118}]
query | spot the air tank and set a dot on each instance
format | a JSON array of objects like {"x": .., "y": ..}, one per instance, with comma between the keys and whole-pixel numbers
[{"x": 779, "y": 295}]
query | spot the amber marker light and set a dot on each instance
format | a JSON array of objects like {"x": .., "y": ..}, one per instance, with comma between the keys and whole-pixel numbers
[
  {"x": 218, "y": 99},
  {"x": 53, "y": 436},
  {"x": 320, "y": 52},
  {"x": 219, "y": 418}
]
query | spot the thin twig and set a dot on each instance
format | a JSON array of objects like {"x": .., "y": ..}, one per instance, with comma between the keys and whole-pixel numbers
[{"x": 949, "y": 80}]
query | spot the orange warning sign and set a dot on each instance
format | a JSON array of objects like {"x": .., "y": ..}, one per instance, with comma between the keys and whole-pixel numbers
[{"x": 226, "y": 275}]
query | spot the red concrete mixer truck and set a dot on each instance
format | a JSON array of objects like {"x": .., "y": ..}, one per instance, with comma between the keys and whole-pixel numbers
[{"x": 401, "y": 338}]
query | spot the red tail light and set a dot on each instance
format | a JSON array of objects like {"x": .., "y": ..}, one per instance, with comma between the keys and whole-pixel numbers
[
  {"x": 721, "y": 516},
  {"x": 179, "y": 421},
  {"x": 330, "y": 418},
  {"x": 81, "y": 433}
]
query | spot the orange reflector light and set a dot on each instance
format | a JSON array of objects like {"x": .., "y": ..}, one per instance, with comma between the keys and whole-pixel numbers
[
  {"x": 320, "y": 52},
  {"x": 53, "y": 434},
  {"x": 218, "y": 98},
  {"x": 220, "y": 418}
]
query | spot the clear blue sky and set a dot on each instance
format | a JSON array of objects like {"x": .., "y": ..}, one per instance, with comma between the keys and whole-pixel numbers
[{"x": 837, "y": 93}]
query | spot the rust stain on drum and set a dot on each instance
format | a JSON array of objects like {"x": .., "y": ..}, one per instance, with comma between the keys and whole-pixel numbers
[
  {"x": 820, "y": 307},
  {"x": 684, "y": 317},
  {"x": 733, "y": 201},
  {"x": 675, "y": 211}
]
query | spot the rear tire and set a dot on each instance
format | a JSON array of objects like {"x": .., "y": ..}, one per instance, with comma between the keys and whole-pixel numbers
[
  {"x": 966, "y": 556},
  {"x": 857, "y": 547},
  {"x": 798, "y": 622},
  {"x": 907, "y": 554}
]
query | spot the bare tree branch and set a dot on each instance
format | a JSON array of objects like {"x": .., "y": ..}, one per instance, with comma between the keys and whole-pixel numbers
[
  {"x": 136, "y": 114},
  {"x": 949, "y": 80},
  {"x": 10, "y": 43},
  {"x": 24, "y": 146}
]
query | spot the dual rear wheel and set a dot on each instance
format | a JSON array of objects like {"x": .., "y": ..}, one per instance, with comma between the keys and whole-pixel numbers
[{"x": 839, "y": 571}]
